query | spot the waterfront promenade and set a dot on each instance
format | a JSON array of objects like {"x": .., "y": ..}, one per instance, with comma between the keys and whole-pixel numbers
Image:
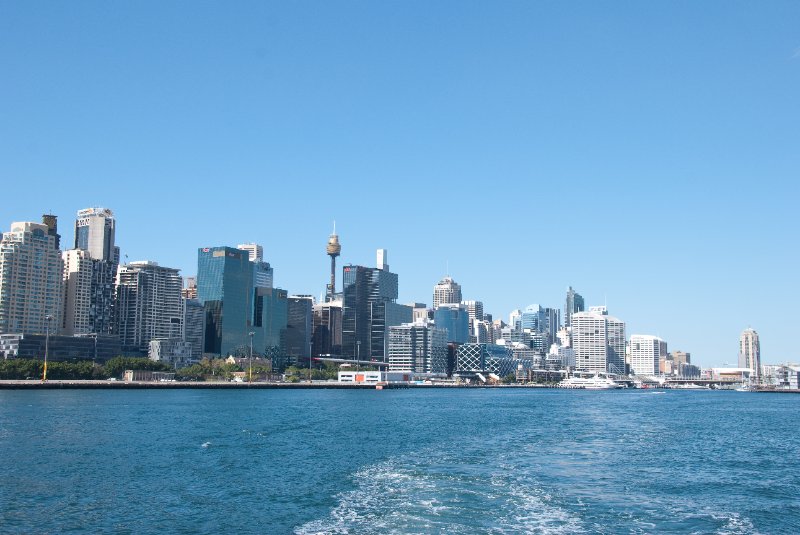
[{"x": 35, "y": 384}]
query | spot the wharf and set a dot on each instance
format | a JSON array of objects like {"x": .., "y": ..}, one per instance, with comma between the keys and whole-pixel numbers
[{"x": 35, "y": 384}]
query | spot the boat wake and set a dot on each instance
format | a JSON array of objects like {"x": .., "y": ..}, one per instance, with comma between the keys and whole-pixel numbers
[{"x": 417, "y": 495}]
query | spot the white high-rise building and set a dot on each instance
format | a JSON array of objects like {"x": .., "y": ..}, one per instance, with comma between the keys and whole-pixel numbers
[
  {"x": 31, "y": 288},
  {"x": 475, "y": 311},
  {"x": 417, "y": 348},
  {"x": 78, "y": 267},
  {"x": 95, "y": 230},
  {"x": 150, "y": 304},
  {"x": 445, "y": 292},
  {"x": 750, "y": 353},
  {"x": 254, "y": 251},
  {"x": 646, "y": 351},
  {"x": 599, "y": 342}
]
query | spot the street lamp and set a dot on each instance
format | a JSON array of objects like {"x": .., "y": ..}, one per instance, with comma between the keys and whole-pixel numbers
[
  {"x": 358, "y": 355},
  {"x": 251, "y": 333},
  {"x": 46, "y": 344},
  {"x": 310, "y": 356},
  {"x": 94, "y": 360}
]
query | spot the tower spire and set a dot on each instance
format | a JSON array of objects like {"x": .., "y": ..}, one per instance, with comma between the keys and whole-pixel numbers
[{"x": 333, "y": 250}]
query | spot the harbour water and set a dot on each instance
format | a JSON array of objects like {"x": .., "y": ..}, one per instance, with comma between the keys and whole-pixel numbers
[{"x": 399, "y": 461}]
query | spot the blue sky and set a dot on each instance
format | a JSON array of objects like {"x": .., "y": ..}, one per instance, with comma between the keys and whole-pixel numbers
[{"x": 646, "y": 153}]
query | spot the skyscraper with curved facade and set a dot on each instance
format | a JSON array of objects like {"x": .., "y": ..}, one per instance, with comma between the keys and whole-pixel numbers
[
  {"x": 750, "y": 352},
  {"x": 446, "y": 291}
]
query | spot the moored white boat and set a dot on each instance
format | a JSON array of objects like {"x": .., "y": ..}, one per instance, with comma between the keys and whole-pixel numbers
[{"x": 596, "y": 382}]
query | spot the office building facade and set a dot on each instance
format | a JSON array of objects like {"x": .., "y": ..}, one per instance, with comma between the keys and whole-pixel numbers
[
  {"x": 417, "y": 348},
  {"x": 453, "y": 318},
  {"x": 225, "y": 288},
  {"x": 599, "y": 342},
  {"x": 299, "y": 330},
  {"x": 446, "y": 291},
  {"x": 645, "y": 353},
  {"x": 149, "y": 305},
  {"x": 95, "y": 231},
  {"x": 194, "y": 319},
  {"x": 369, "y": 308}
]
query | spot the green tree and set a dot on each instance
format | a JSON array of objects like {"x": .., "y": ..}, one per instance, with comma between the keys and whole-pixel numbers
[{"x": 116, "y": 366}]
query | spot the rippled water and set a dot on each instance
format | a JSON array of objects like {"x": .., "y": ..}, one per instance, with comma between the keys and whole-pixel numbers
[{"x": 399, "y": 461}]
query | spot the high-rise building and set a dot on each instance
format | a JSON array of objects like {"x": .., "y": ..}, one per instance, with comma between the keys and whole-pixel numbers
[
  {"x": 453, "y": 318},
  {"x": 599, "y": 342},
  {"x": 225, "y": 288},
  {"x": 534, "y": 318},
  {"x": 255, "y": 252},
  {"x": 680, "y": 357},
  {"x": 645, "y": 352},
  {"x": 95, "y": 229},
  {"x": 262, "y": 271},
  {"x": 194, "y": 324},
  {"x": 750, "y": 353},
  {"x": 552, "y": 323},
  {"x": 420, "y": 312},
  {"x": 446, "y": 291},
  {"x": 271, "y": 316},
  {"x": 574, "y": 304},
  {"x": 149, "y": 305},
  {"x": 327, "y": 339},
  {"x": 369, "y": 308},
  {"x": 31, "y": 286},
  {"x": 417, "y": 348},
  {"x": 299, "y": 330},
  {"x": 482, "y": 332},
  {"x": 78, "y": 267},
  {"x": 189, "y": 288},
  {"x": 52, "y": 228},
  {"x": 475, "y": 310}
]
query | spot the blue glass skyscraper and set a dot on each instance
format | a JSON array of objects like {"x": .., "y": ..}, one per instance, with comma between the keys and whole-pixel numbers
[
  {"x": 225, "y": 287},
  {"x": 454, "y": 318}
]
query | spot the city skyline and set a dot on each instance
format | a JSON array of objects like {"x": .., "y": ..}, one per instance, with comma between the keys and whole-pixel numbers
[
  {"x": 559, "y": 144},
  {"x": 254, "y": 251}
]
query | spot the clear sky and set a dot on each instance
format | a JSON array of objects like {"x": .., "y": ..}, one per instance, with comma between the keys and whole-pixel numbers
[{"x": 646, "y": 153}]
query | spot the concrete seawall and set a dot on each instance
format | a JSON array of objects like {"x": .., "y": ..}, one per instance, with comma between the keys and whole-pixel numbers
[{"x": 150, "y": 385}]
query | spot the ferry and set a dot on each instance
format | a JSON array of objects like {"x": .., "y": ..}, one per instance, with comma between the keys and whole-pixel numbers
[{"x": 596, "y": 382}]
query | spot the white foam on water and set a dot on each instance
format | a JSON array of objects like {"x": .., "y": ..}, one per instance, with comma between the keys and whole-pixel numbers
[
  {"x": 412, "y": 495},
  {"x": 205, "y": 444},
  {"x": 528, "y": 508}
]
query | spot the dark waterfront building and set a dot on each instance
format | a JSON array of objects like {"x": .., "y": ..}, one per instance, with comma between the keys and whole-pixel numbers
[
  {"x": 194, "y": 326},
  {"x": 369, "y": 308},
  {"x": 60, "y": 348},
  {"x": 297, "y": 342},
  {"x": 270, "y": 320},
  {"x": 327, "y": 338},
  {"x": 225, "y": 288}
]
